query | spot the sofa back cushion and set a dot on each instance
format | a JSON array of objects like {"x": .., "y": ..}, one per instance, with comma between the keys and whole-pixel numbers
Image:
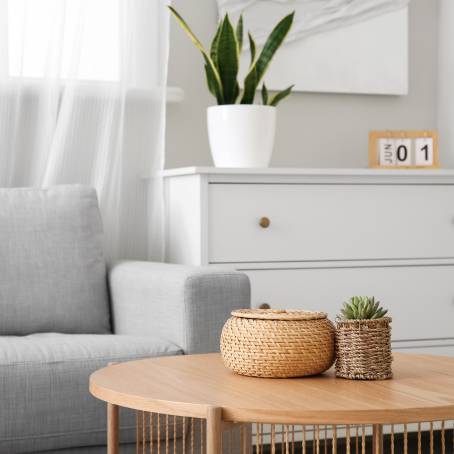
[{"x": 52, "y": 269}]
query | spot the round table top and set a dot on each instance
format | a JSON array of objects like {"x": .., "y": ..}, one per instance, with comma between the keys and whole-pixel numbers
[{"x": 422, "y": 390}]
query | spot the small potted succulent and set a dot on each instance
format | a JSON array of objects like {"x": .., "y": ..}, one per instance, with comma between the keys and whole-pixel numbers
[
  {"x": 241, "y": 134},
  {"x": 363, "y": 340}
]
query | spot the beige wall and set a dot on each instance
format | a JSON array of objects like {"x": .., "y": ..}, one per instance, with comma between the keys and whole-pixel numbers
[{"x": 314, "y": 130}]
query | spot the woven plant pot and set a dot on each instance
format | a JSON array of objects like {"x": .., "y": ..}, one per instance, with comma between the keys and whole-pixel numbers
[
  {"x": 363, "y": 349},
  {"x": 277, "y": 343}
]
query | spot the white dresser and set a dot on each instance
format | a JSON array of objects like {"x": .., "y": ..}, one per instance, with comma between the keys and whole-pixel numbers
[{"x": 312, "y": 238}]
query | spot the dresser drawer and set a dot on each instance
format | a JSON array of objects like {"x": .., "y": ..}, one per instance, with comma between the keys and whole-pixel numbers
[
  {"x": 418, "y": 347},
  {"x": 329, "y": 222},
  {"x": 420, "y": 299}
]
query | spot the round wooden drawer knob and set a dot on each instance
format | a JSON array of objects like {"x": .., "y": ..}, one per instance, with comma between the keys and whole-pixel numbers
[{"x": 264, "y": 222}]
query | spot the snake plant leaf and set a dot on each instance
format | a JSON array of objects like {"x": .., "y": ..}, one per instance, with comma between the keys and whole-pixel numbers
[
  {"x": 264, "y": 95},
  {"x": 210, "y": 82},
  {"x": 250, "y": 83},
  {"x": 240, "y": 34},
  {"x": 237, "y": 91},
  {"x": 214, "y": 45},
  {"x": 213, "y": 86},
  {"x": 273, "y": 43},
  {"x": 212, "y": 69},
  {"x": 223, "y": 58},
  {"x": 228, "y": 60},
  {"x": 189, "y": 32},
  {"x": 259, "y": 68},
  {"x": 278, "y": 97},
  {"x": 250, "y": 86},
  {"x": 252, "y": 48}
]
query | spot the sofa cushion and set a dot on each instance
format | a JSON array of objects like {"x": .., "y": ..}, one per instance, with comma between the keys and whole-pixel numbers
[
  {"x": 52, "y": 270},
  {"x": 44, "y": 399}
]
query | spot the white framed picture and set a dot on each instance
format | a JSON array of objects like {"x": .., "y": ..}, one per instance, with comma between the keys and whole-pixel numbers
[{"x": 366, "y": 53}]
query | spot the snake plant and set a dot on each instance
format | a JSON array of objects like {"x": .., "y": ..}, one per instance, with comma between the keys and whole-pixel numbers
[
  {"x": 222, "y": 61},
  {"x": 362, "y": 308}
]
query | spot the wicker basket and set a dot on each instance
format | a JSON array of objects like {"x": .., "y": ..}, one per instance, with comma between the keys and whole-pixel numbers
[
  {"x": 363, "y": 349},
  {"x": 278, "y": 343}
]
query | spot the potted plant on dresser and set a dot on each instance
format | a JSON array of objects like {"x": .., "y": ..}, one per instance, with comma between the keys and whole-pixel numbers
[
  {"x": 363, "y": 340},
  {"x": 241, "y": 133}
]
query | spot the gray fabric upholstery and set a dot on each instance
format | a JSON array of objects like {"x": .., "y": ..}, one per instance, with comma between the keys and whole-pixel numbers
[
  {"x": 52, "y": 270},
  {"x": 45, "y": 403},
  {"x": 53, "y": 279},
  {"x": 183, "y": 305}
]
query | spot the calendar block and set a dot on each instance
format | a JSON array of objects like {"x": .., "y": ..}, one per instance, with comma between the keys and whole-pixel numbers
[
  {"x": 403, "y": 152},
  {"x": 424, "y": 151},
  {"x": 403, "y": 149},
  {"x": 387, "y": 152}
]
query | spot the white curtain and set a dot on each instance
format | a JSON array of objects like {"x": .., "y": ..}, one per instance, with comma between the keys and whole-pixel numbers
[
  {"x": 82, "y": 100},
  {"x": 311, "y": 16}
]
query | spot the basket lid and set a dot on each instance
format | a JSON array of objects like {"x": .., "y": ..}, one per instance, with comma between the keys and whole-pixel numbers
[{"x": 279, "y": 314}]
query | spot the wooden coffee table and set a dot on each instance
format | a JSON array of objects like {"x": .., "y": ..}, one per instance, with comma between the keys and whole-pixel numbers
[{"x": 183, "y": 391}]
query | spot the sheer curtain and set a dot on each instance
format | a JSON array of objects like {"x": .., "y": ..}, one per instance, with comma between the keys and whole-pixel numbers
[{"x": 82, "y": 100}]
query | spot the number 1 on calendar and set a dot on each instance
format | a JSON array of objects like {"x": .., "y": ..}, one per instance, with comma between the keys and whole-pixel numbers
[{"x": 424, "y": 151}]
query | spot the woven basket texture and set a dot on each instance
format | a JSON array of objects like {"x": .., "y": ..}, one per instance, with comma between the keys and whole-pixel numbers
[
  {"x": 363, "y": 349},
  {"x": 278, "y": 344}
]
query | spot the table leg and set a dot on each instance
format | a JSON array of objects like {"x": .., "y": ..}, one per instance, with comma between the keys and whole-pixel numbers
[
  {"x": 214, "y": 430},
  {"x": 112, "y": 429},
  {"x": 377, "y": 437},
  {"x": 246, "y": 439}
]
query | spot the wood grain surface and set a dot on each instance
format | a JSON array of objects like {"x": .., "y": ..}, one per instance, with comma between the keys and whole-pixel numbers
[{"x": 422, "y": 390}]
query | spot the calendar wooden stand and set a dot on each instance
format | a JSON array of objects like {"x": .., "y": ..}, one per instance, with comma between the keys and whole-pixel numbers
[
  {"x": 403, "y": 150},
  {"x": 193, "y": 404}
]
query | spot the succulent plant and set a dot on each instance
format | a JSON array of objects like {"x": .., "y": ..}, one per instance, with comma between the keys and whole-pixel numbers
[
  {"x": 222, "y": 61},
  {"x": 362, "y": 308}
]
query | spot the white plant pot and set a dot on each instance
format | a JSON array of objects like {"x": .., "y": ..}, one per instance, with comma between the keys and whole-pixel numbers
[{"x": 241, "y": 135}]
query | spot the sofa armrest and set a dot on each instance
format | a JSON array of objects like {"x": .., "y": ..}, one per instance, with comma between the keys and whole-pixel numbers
[{"x": 184, "y": 305}]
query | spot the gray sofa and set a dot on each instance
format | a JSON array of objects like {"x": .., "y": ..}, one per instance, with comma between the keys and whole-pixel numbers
[{"x": 64, "y": 314}]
